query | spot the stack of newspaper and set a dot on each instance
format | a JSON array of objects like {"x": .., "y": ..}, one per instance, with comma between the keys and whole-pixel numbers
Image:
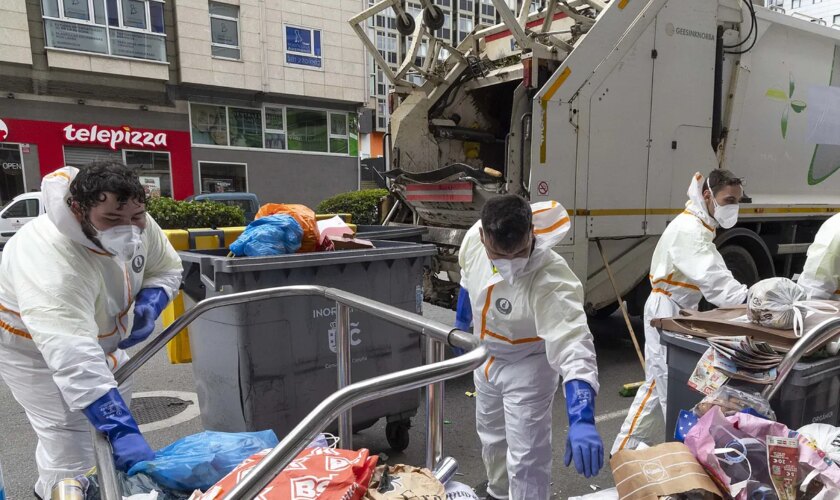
[{"x": 739, "y": 358}]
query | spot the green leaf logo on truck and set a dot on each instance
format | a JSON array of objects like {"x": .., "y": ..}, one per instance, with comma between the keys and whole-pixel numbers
[{"x": 790, "y": 103}]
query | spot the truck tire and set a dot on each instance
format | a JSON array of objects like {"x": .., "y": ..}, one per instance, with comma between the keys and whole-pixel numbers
[
  {"x": 742, "y": 264},
  {"x": 604, "y": 312},
  {"x": 397, "y": 434}
]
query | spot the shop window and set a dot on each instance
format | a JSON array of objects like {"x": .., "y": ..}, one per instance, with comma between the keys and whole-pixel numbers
[
  {"x": 245, "y": 126},
  {"x": 152, "y": 167},
  {"x": 224, "y": 30},
  {"x": 338, "y": 133},
  {"x": 275, "y": 131},
  {"x": 307, "y": 129},
  {"x": 208, "y": 124},
  {"x": 219, "y": 177},
  {"x": 125, "y": 28},
  {"x": 11, "y": 176}
]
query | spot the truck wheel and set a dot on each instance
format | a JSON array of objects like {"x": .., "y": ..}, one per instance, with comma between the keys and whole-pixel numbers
[
  {"x": 604, "y": 312},
  {"x": 739, "y": 260},
  {"x": 397, "y": 434}
]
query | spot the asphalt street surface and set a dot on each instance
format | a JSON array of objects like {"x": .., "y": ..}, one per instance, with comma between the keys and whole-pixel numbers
[{"x": 617, "y": 363}]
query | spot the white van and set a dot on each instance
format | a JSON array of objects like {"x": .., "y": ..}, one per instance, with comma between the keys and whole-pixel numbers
[{"x": 22, "y": 209}]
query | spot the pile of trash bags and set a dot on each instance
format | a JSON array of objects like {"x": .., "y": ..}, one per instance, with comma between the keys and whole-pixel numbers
[
  {"x": 281, "y": 229},
  {"x": 208, "y": 465}
]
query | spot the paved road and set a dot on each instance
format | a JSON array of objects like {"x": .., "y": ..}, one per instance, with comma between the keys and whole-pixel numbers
[{"x": 616, "y": 359}]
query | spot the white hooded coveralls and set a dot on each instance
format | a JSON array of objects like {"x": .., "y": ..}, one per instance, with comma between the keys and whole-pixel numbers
[
  {"x": 64, "y": 307},
  {"x": 536, "y": 331},
  {"x": 685, "y": 268},
  {"x": 821, "y": 275}
]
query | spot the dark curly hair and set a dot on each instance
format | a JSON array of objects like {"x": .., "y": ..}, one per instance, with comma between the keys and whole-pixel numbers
[
  {"x": 94, "y": 180},
  {"x": 507, "y": 220}
]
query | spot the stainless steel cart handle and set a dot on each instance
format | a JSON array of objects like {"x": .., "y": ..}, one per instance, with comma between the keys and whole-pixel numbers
[
  {"x": 817, "y": 335},
  {"x": 339, "y": 404}
]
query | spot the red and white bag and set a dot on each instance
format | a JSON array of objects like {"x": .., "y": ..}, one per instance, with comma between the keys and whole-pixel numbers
[{"x": 316, "y": 473}]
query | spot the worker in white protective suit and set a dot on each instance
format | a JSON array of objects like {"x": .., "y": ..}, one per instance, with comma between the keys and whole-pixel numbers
[
  {"x": 821, "y": 275},
  {"x": 685, "y": 268},
  {"x": 528, "y": 310},
  {"x": 68, "y": 281}
]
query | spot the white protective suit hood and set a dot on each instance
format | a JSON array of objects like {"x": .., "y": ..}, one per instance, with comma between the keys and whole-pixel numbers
[
  {"x": 696, "y": 204},
  {"x": 551, "y": 224},
  {"x": 56, "y": 190}
]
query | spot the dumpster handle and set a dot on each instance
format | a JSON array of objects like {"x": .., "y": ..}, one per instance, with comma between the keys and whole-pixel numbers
[
  {"x": 433, "y": 374},
  {"x": 817, "y": 335},
  {"x": 385, "y": 385}
]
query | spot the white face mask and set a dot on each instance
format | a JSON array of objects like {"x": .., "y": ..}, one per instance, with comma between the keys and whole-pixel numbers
[
  {"x": 121, "y": 241},
  {"x": 725, "y": 215},
  {"x": 510, "y": 269}
]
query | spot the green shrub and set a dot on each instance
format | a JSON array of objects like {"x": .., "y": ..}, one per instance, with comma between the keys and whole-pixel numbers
[
  {"x": 171, "y": 214},
  {"x": 362, "y": 205}
]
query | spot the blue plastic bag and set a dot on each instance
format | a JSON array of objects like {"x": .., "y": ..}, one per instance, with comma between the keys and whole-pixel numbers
[
  {"x": 199, "y": 461},
  {"x": 273, "y": 235}
]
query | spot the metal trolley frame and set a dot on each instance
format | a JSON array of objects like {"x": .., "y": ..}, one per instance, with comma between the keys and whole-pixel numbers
[{"x": 339, "y": 404}]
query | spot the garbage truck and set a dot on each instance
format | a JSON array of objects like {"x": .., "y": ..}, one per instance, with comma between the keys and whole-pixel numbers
[{"x": 609, "y": 108}]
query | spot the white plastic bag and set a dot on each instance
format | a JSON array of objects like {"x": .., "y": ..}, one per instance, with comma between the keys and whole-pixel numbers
[
  {"x": 826, "y": 437},
  {"x": 780, "y": 303},
  {"x": 772, "y": 303}
]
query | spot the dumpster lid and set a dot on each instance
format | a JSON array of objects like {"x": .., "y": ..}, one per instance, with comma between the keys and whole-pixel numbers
[{"x": 385, "y": 250}]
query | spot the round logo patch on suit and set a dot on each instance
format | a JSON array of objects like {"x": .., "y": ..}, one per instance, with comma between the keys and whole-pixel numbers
[
  {"x": 137, "y": 263},
  {"x": 504, "y": 306}
]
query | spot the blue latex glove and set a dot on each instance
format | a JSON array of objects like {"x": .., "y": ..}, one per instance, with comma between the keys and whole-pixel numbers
[
  {"x": 111, "y": 416},
  {"x": 149, "y": 304},
  {"x": 463, "y": 316},
  {"x": 583, "y": 444}
]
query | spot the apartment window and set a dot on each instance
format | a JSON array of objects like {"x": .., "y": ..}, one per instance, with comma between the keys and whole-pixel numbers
[
  {"x": 488, "y": 11},
  {"x": 386, "y": 44},
  {"x": 275, "y": 131},
  {"x": 124, "y": 28},
  {"x": 465, "y": 26},
  {"x": 224, "y": 30},
  {"x": 466, "y": 6},
  {"x": 303, "y": 47}
]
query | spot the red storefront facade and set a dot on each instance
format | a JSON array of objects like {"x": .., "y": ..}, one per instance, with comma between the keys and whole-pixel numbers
[{"x": 162, "y": 158}]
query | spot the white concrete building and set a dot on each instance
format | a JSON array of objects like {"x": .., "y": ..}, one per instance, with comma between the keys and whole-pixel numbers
[{"x": 826, "y": 11}]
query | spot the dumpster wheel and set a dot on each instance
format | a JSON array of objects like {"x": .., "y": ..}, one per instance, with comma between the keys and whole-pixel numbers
[{"x": 397, "y": 434}]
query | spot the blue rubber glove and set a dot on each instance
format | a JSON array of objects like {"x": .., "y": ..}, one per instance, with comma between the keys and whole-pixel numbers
[
  {"x": 463, "y": 316},
  {"x": 111, "y": 416},
  {"x": 149, "y": 304},
  {"x": 583, "y": 444}
]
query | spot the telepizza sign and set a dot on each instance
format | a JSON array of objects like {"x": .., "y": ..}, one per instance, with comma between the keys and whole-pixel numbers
[{"x": 114, "y": 138}]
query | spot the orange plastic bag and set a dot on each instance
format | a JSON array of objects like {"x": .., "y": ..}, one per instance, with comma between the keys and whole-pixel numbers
[
  {"x": 316, "y": 473},
  {"x": 304, "y": 215}
]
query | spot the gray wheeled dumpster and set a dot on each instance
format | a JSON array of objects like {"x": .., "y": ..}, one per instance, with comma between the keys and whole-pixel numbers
[{"x": 266, "y": 365}]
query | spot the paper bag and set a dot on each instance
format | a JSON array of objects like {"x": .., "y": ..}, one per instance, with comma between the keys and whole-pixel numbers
[
  {"x": 661, "y": 471},
  {"x": 401, "y": 482}
]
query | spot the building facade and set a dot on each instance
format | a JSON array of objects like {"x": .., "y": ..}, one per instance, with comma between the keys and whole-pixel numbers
[
  {"x": 197, "y": 95},
  {"x": 826, "y": 11}
]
